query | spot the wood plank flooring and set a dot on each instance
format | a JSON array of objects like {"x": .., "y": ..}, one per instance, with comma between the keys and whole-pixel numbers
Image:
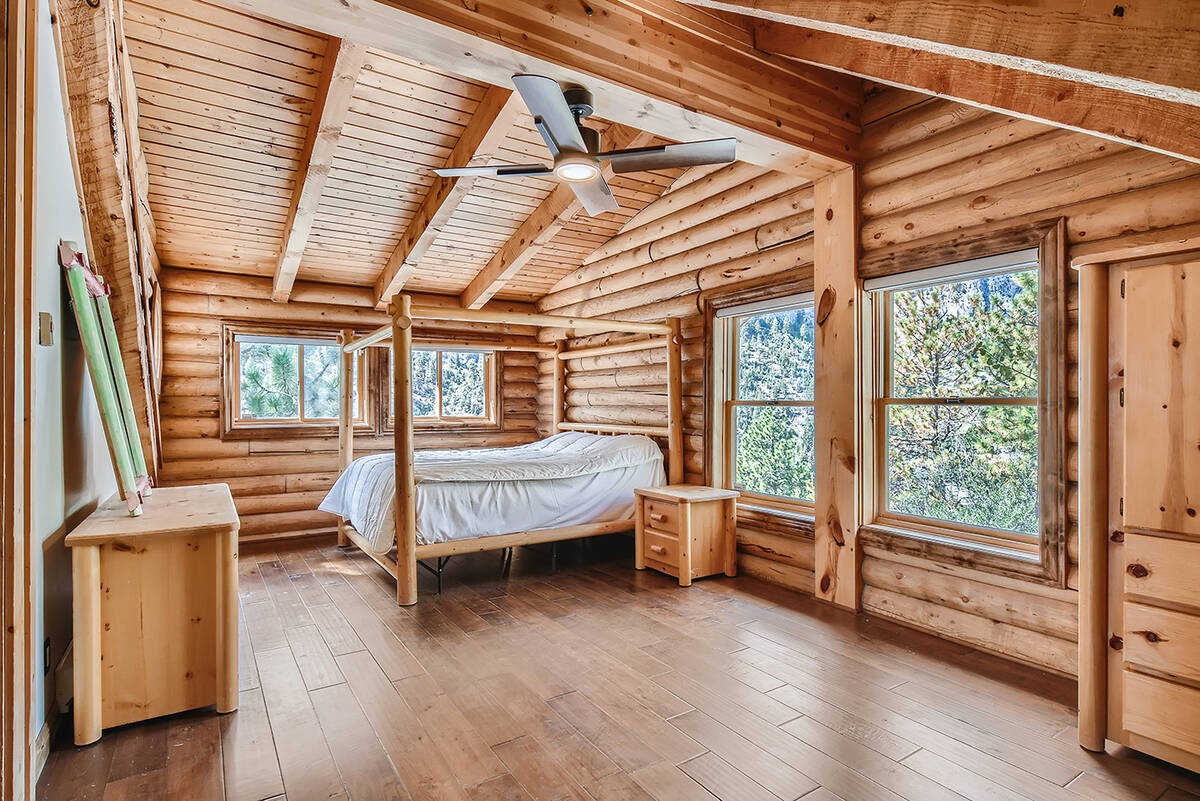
[{"x": 596, "y": 682}]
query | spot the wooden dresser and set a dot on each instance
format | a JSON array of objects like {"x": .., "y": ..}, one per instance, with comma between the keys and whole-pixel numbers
[
  {"x": 686, "y": 531},
  {"x": 156, "y": 608},
  {"x": 1140, "y": 507}
]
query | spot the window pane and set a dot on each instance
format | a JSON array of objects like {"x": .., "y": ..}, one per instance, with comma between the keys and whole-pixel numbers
[
  {"x": 322, "y": 381},
  {"x": 463, "y": 379},
  {"x": 976, "y": 465},
  {"x": 976, "y": 338},
  {"x": 424, "y": 383},
  {"x": 270, "y": 381},
  {"x": 775, "y": 354},
  {"x": 773, "y": 450}
]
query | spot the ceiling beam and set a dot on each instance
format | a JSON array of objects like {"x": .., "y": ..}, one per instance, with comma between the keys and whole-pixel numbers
[
  {"x": 541, "y": 226},
  {"x": 342, "y": 65},
  {"x": 677, "y": 75},
  {"x": 491, "y": 123},
  {"x": 1144, "y": 122},
  {"x": 1150, "y": 49}
]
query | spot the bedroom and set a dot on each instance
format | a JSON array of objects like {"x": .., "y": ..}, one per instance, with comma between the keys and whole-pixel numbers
[{"x": 893, "y": 371}]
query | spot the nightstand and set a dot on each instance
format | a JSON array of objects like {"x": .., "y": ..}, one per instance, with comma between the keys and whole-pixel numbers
[{"x": 686, "y": 531}]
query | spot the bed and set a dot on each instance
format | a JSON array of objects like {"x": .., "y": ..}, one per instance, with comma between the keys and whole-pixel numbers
[
  {"x": 569, "y": 479},
  {"x": 435, "y": 504}
]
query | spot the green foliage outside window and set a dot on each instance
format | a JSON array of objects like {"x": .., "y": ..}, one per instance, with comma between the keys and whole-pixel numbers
[
  {"x": 271, "y": 377},
  {"x": 773, "y": 444},
  {"x": 973, "y": 463},
  {"x": 464, "y": 384}
]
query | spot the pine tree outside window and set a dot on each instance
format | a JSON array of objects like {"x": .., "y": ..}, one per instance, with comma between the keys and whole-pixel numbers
[
  {"x": 958, "y": 431},
  {"x": 289, "y": 381},
  {"x": 767, "y": 403},
  {"x": 450, "y": 386}
]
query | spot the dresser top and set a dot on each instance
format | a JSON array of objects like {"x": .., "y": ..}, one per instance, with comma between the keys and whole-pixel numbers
[
  {"x": 198, "y": 510},
  {"x": 689, "y": 493}
]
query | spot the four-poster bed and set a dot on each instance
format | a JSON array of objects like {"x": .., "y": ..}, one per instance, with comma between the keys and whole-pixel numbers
[{"x": 400, "y": 333}]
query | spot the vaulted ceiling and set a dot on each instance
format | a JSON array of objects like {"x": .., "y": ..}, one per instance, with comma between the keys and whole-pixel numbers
[{"x": 276, "y": 151}]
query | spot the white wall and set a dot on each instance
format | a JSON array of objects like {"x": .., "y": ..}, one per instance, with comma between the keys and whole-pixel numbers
[{"x": 71, "y": 467}]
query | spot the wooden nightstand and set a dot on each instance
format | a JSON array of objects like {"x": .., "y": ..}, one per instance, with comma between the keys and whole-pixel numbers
[{"x": 686, "y": 531}]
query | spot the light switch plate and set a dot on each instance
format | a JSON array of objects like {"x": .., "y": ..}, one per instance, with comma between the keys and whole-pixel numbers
[{"x": 45, "y": 328}]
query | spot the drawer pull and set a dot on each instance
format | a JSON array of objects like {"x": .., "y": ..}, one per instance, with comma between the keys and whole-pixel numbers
[
  {"x": 1151, "y": 636},
  {"x": 1137, "y": 570},
  {"x": 657, "y": 518},
  {"x": 658, "y": 549}
]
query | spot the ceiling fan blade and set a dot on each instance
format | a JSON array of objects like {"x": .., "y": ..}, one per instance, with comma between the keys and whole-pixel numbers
[
  {"x": 551, "y": 114},
  {"x": 497, "y": 171},
  {"x": 686, "y": 154},
  {"x": 595, "y": 195}
]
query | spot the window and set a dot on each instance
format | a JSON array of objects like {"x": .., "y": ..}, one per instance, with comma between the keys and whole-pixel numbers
[
  {"x": 287, "y": 381},
  {"x": 767, "y": 410},
  {"x": 451, "y": 386},
  {"x": 959, "y": 441}
]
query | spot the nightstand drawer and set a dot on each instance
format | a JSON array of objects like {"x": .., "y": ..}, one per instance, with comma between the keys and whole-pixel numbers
[
  {"x": 661, "y": 515},
  {"x": 661, "y": 548}
]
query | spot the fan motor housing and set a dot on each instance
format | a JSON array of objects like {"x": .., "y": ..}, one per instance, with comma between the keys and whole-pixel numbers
[{"x": 579, "y": 100}]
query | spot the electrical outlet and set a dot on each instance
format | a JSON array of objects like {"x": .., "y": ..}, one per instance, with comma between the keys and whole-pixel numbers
[{"x": 46, "y": 657}]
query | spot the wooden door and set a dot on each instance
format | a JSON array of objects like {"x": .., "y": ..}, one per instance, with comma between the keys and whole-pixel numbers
[{"x": 1154, "y": 579}]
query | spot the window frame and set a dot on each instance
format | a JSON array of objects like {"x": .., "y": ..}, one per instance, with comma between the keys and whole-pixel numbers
[
  {"x": 725, "y": 401},
  {"x": 234, "y": 426},
  {"x": 987, "y": 550},
  {"x": 489, "y": 422}
]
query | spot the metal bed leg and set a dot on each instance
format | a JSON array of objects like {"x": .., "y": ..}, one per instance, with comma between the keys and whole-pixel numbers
[
  {"x": 442, "y": 561},
  {"x": 554, "y": 557}
]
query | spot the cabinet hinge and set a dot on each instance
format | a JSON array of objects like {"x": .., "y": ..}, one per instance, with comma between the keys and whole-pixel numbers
[
  {"x": 1122, "y": 287},
  {"x": 1122, "y": 397},
  {"x": 1122, "y": 506}
]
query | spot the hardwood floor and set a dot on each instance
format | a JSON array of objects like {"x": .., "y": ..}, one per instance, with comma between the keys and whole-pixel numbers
[{"x": 597, "y": 682}]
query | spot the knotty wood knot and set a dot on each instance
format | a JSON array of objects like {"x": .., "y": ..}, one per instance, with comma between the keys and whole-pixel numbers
[
  {"x": 1151, "y": 636},
  {"x": 1137, "y": 570},
  {"x": 825, "y": 582},
  {"x": 825, "y": 307}
]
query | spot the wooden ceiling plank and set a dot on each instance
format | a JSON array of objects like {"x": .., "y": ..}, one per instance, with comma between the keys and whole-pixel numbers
[
  {"x": 344, "y": 61},
  {"x": 495, "y": 116},
  {"x": 539, "y": 228},
  {"x": 1145, "y": 122},
  {"x": 678, "y": 82}
]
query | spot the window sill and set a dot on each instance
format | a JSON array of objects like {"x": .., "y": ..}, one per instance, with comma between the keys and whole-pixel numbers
[
  {"x": 290, "y": 430},
  {"x": 948, "y": 549}
]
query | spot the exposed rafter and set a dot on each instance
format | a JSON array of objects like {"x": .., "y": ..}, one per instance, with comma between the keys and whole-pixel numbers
[
  {"x": 550, "y": 217},
  {"x": 343, "y": 63},
  {"x": 498, "y": 111},
  {"x": 686, "y": 81},
  {"x": 1144, "y": 122},
  {"x": 1149, "y": 49}
]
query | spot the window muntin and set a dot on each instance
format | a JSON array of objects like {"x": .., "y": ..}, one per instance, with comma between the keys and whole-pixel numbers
[
  {"x": 290, "y": 381},
  {"x": 451, "y": 386},
  {"x": 957, "y": 409},
  {"x": 769, "y": 407}
]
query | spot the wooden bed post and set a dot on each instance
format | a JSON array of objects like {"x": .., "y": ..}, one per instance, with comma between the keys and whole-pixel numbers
[
  {"x": 560, "y": 386},
  {"x": 345, "y": 420},
  {"x": 674, "y": 404},
  {"x": 406, "y": 508}
]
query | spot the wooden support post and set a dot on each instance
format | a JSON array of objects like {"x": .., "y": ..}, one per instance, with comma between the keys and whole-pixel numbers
[
  {"x": 835, "y": 250},
  {"x": 675, "y": 403},
  {"x": 85, "y": 578},
  {"x": 560, "y": 387},
  {"x": 345, "y": 420},
  {"x": 1093, "y": 505},
  {"x": 406, "y": 506}
]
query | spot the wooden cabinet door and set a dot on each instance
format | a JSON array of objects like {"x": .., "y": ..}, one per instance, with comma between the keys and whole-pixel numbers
[{"x": 1162, "y": 397}]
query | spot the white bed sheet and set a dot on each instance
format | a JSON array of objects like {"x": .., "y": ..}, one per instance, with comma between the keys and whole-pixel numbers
[{"x": 568, "y": 479}]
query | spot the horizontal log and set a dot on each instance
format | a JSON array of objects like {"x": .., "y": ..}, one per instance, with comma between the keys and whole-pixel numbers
[
  {"x": 696, "y": 189},
  {"x": 788, "y": 550},
  {"x": 282, "y": 502},
  {"x": 917, "y": 124},
  {"x": 773, "y": 572},
  {"x": 1033, "y": 612},
  {"x": 654, "y": 395},
  {"x": 1014, "y": 642},
  {"x": 279, "y": 522}
]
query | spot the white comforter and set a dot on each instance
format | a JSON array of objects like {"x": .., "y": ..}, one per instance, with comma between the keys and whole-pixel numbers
[{"x": 565, "y": 480}]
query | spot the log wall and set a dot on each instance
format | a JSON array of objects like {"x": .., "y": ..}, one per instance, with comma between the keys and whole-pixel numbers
[
  {"x": 277, "y": 483},
  {"x": 932, "y": 170}
]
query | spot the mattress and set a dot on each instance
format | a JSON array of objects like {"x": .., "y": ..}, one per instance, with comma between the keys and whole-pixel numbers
[{"x": 568, "y": 479}]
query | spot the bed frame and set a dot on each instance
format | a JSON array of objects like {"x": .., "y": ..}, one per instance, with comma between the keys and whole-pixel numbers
[{"x": 400, "y": 333}]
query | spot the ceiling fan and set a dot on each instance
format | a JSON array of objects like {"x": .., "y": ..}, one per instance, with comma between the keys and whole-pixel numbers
[{"x": 557, "y": 114}]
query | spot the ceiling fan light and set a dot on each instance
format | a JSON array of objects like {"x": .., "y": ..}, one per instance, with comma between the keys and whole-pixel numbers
[{"x": 576, "y": 169}]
